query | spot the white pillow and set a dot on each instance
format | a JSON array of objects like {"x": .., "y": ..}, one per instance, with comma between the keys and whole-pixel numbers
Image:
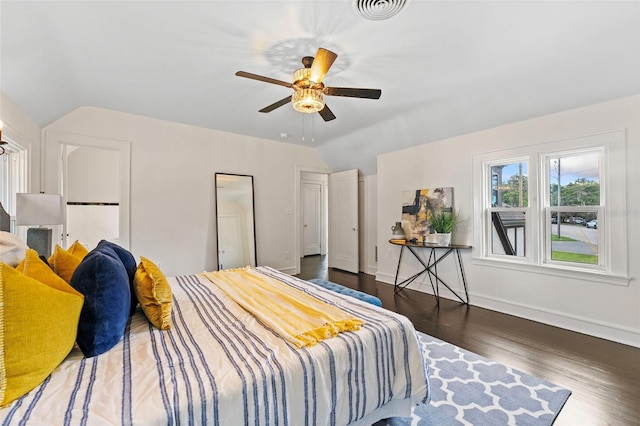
[{"x": 12, "y": 249}]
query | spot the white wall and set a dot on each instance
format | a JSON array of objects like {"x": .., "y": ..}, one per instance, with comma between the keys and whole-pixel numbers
[
  {"x": 172, "y": 186},
  {"x": 604, "y": 310}
]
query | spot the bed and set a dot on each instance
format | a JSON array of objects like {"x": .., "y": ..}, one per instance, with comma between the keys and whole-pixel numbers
[{"x": 219, "y": 366}]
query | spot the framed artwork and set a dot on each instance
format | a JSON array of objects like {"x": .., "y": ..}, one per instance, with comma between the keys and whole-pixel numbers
[{"x": 419, "y": 206}]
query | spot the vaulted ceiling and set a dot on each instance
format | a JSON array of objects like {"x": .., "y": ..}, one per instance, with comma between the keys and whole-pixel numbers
[{"x": 445, "y": 67}]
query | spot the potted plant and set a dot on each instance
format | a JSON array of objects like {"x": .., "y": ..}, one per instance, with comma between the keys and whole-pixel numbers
[{"x": 443, "y": 224}]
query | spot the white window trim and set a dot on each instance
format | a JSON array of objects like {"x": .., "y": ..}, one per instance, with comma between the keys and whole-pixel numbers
[
  {"x": 613, "y": 216},
  {"x": 16, "y": 171},
  {"x": 487, "y": 209}
]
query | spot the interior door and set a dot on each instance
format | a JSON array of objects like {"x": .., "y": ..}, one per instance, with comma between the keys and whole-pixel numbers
[
  {"x": 230, "y": 236},
  {"x": 91, "y": 195},
  {"x": 311, "y": 217},
  {"x": 343, "y": 221}
]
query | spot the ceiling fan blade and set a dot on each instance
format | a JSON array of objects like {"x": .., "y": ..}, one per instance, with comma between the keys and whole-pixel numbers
[
  {"x": 353, "y": 93},
  {"x": 321, "y": 64},
  {"x": 326, "y": 113},
  {"x": 275, "y": 105},
  {"x": 262, "y": 78}
]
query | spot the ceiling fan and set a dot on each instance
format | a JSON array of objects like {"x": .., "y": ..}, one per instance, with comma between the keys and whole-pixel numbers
[{"x": 308, "y": 89}]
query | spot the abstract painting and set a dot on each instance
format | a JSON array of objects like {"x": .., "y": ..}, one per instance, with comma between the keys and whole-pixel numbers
[{"x": 419, "y": 206}]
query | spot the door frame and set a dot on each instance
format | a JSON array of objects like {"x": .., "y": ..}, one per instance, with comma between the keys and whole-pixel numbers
[
  {"x": 298, "y": 209},
  {"x": 53, "y": 169}
]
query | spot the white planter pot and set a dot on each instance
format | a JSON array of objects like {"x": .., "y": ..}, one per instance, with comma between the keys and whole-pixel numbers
[{"x": 443, "y": 239}]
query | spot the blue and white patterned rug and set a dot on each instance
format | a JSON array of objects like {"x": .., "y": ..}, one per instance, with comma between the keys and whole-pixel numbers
[{"x": 467, "y": 389}]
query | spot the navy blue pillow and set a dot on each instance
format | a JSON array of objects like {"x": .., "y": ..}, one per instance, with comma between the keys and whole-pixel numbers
[
  {"x": 129, "y": 263},
  {"x": 102, "y": 279}
]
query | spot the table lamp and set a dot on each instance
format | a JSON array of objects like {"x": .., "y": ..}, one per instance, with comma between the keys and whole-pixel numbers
[{"x": 39, "y": 209}]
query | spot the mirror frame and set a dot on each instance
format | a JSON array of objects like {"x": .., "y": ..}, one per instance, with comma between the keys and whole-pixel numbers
[{"x": 253, "y": 212}]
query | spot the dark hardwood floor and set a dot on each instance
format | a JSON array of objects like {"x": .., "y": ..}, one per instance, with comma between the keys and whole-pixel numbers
[{"x": 604, "y": 376}]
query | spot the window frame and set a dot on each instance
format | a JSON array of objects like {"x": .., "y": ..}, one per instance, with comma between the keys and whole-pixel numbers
[
  {"x": 489, "y": 209},
  {"x": 14, "y": 171},
  {"x": 612, "y": 265},
  {"x": 603, "y": 260}
]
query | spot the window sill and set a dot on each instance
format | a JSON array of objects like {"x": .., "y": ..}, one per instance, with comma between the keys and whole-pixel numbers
[{"x": 556, "y": 271}]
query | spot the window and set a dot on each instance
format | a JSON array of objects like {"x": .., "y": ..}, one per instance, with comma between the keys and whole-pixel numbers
[
  {"x": 13, "y": 177},
  {"x": 509, "y": 207},
  {"x": 575, "y": 207},
  {"x": 550, "y": 206}
]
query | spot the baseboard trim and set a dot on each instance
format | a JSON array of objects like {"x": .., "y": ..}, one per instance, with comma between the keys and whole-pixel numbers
[
  {"x": 589, "y": 326},
  {"x": 290, "y": 271}
]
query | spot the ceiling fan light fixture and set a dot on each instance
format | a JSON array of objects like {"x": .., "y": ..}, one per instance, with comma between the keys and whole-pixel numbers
[
  {"x": 302, "y": 76},
  {"x": 307, "y": 100},
  {"x": 309, "y": 89}
]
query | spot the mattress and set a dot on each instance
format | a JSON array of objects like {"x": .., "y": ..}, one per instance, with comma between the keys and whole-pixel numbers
[{"x": 219, "y": 366}]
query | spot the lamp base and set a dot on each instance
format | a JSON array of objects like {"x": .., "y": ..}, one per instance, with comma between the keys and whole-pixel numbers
[{"x": 40, "y": 240}]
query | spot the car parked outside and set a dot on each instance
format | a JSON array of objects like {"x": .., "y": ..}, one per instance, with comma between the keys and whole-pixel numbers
[
  {"x": 593, "y": 224},
  {"x": 578, "y": 221}
]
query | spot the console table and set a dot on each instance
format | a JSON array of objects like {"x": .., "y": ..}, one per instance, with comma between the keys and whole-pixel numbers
[{"x": 431, "y": 266}]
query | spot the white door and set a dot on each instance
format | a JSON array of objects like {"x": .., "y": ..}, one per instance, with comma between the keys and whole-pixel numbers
[
  {"x": 343, "y": 221},
  {"x": 311, "y": 218},
  {"x": 91, "y": 195},
  {"x": 231, "y": 239}
]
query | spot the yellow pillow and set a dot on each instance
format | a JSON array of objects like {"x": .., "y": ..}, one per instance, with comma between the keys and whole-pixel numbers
[
  {"x": 38, "y": 326},
  {"x": 78, "y": 250},
  {"x": 34, "y": 267},
  {"x": 154, "y": 293},
  {"x": 64, "y": 263}
]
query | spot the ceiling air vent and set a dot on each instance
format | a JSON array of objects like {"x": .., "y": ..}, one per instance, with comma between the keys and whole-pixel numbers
[{"x": 378, "y": 9}]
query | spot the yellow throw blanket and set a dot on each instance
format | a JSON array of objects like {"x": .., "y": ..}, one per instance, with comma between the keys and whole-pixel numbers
[{"x": 294, "y": 315}]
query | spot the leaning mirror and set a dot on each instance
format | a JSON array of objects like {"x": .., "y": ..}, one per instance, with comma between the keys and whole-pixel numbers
[{"x": 235, "y": 221}]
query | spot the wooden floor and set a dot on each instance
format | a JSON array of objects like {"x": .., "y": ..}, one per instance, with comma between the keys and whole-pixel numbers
[{"x": 604, "y": 376}]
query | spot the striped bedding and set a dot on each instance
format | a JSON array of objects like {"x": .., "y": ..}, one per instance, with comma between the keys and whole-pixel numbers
[{"x": 219, "y": 366}]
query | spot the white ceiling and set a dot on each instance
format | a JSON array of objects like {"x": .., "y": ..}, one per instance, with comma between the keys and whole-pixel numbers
[{"x": 445, "y": 67}]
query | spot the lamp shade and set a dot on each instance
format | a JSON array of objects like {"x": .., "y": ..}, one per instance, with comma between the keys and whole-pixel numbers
[{"x": 38, "y": 209}]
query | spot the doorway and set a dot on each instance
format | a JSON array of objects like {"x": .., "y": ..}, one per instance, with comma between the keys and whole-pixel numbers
[
  {"x": 314, "y": 212},
  {"x": 93, "y": 175},
  {"x": 91, "y": 195},
  {"x": 338, "y": 206}
]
